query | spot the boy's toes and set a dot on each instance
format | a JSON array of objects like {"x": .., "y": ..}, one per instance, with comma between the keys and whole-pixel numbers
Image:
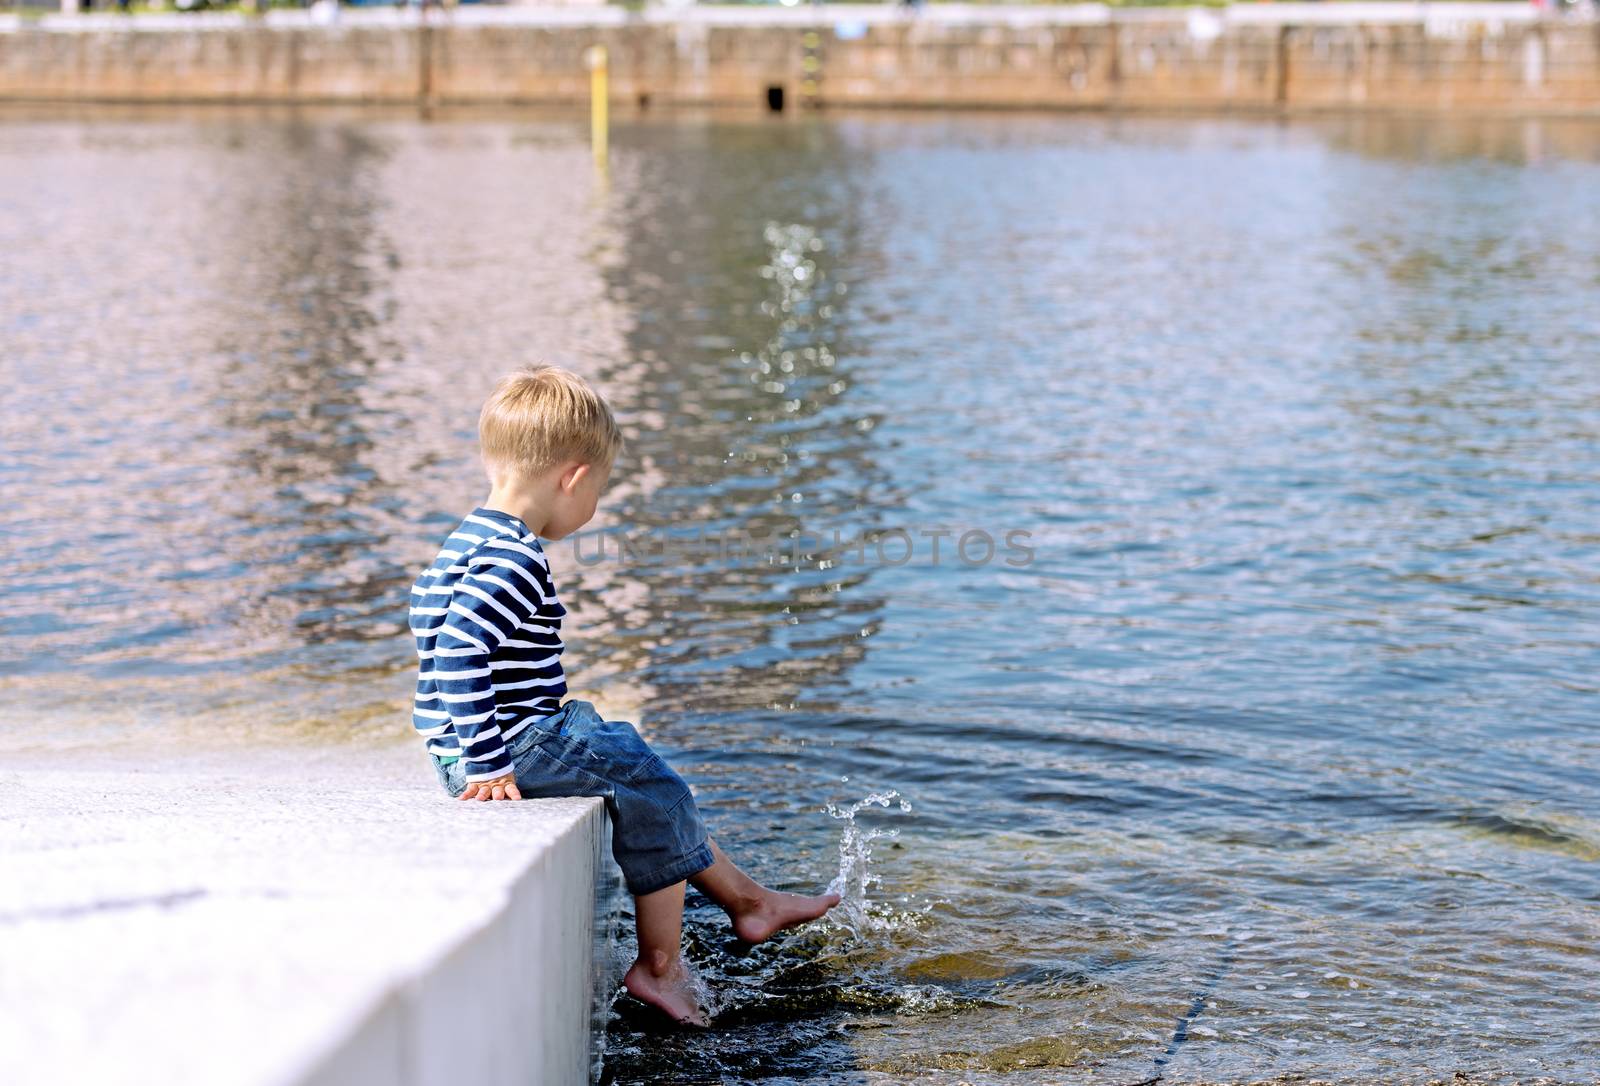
[{"x": 781, "y": 911}]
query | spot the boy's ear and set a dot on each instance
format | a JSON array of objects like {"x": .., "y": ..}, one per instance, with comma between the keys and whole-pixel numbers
[{"x": 573, "y": 474}]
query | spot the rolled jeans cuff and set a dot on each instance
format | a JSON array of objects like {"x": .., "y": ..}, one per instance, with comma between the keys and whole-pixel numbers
[{"x": 691, "y": 863}]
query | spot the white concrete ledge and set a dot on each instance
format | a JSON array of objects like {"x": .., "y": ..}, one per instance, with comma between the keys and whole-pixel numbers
[{"x": 294, "y": 917}]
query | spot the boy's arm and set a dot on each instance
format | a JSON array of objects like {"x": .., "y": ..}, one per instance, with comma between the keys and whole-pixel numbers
[{"x": 496, "y": 595}]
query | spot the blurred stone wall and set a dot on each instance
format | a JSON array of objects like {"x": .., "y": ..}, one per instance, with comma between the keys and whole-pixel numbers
[{"x": 1487, "y": 57}]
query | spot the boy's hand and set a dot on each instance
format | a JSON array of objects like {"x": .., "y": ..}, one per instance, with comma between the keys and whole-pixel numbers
[{"x": 500, "y": 788}]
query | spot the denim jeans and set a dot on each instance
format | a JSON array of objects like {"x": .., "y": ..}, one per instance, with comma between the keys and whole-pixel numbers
[{"x": 657, "y": 835}]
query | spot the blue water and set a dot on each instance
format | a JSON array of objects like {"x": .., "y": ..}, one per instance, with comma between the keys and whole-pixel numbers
[{"x": 1272, "y": 750}]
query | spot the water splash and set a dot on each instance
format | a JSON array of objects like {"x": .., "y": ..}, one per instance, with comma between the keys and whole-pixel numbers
[
  {"x": 711, "y": 1001},
  {"x": 855, "y": 854}
]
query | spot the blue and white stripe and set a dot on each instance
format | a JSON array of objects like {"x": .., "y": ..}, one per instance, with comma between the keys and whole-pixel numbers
[{"x": 488, "y": 630}]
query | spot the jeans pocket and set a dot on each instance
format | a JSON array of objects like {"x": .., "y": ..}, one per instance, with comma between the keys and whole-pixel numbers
[
  {"x": 529, "y": 736},
  {"x": 649, "y": 768}
]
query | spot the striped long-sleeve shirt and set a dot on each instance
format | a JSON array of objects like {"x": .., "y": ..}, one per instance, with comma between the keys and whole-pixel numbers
[{"x": 488, "y": 630}]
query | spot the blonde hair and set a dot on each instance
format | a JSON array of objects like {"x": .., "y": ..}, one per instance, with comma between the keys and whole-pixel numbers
[{"x": 541, "y": 416}]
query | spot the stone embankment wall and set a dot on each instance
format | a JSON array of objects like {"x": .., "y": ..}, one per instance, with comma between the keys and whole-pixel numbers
[{"x": 1493, "y": 57}]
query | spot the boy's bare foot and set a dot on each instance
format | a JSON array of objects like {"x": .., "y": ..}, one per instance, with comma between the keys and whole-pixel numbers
[
  {"x": 665, "y": 985},
  {"x": 773, "y": 911}
]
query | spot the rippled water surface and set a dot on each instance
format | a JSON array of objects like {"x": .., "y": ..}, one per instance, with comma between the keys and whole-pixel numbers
[{"x": 1267, "y": 744}]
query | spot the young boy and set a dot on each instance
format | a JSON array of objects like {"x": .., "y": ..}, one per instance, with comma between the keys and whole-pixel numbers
[{"x": 490, "y": 687}]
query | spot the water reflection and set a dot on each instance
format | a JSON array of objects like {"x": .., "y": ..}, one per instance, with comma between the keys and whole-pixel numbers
[
  {"x": 309, "y": 273},
  {"x": 742, "y": 353},
  {"x": 1521, "y": 141}
]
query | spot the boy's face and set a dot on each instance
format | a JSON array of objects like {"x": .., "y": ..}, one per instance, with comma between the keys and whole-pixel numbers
[{"x": 578, "y": 488}]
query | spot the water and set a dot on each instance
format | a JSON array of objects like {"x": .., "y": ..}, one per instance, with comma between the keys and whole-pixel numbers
[
  {"x": 856, "y": 877},
  {"x": 1277, "y": 732}
]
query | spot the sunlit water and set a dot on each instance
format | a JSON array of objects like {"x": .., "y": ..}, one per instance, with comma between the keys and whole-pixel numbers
[{"x": 1269, "y": 748}]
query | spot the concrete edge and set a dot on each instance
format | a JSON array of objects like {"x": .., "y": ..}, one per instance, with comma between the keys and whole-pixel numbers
[{"x": 518, "y": 998}]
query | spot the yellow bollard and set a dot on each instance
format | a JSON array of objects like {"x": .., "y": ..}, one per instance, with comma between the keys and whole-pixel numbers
[{"x": 595, "y": 57}]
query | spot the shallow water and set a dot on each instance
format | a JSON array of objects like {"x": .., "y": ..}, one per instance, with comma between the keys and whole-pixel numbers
[{"x": 1271, "y": 750}]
